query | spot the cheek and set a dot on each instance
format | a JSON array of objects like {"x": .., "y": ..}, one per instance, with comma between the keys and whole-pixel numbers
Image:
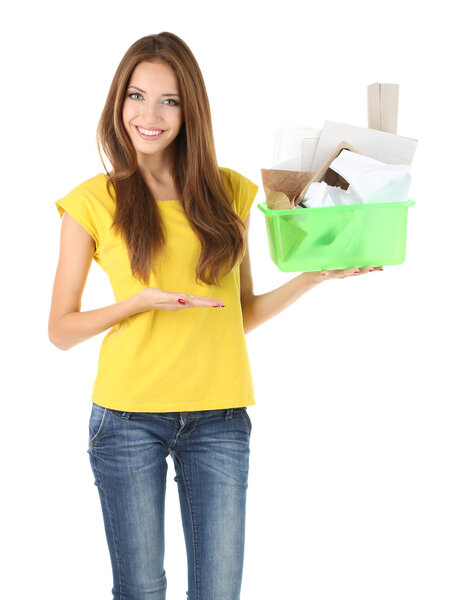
[
  {"x": 179, "y": 118},
  {"x": 126, "y": 115}
]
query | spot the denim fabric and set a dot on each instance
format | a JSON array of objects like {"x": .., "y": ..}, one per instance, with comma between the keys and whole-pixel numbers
[{"x": 210, "y": 451}]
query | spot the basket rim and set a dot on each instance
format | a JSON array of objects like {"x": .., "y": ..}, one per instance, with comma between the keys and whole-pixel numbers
[{"x": 289, "y": 211}]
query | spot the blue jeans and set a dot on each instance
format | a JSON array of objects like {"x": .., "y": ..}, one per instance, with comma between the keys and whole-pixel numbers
[{"x": 210, "y": 450}]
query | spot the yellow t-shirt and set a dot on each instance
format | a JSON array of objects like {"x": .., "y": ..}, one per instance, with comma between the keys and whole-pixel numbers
[{"x": 162, "y": 360}]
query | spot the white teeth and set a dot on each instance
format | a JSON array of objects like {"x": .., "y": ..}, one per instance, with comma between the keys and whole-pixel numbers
[{"x": 146, "y": 132}]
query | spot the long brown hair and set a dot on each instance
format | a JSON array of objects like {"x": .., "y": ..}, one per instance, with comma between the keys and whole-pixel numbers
[{"x": 196, "y": 174}]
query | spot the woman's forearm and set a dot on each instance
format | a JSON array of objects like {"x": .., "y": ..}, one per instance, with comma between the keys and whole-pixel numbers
[
  {"x": 75, "y": 327},
  {"x": 259, "y": 308}
]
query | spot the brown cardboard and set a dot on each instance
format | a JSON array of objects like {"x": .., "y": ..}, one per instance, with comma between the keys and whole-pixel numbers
[
  {"x": 324, "y": 173},
  {"x": 286, "y": 189}
]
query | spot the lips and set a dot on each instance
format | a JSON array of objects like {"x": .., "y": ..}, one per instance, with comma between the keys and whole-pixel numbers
[
  {"x": 150, "y": 128},
  {"x": 145, "y": 136}
]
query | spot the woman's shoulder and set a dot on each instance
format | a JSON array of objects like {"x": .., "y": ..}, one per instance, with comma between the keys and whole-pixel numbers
[
  {"x": 231, "y": 174},
  {"x": 89, "y": 197},
  {"x": 93, "y": 190},
  {"x": 95, "y": 183},
  {"x": 243, "y": 189},
  {"x": 237, "y": 181}
]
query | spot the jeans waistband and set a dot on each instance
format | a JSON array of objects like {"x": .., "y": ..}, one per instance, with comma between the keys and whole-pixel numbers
[{"x": 184, "y": 414}]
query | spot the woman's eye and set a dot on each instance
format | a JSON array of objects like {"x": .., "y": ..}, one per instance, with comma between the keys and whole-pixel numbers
[{"x": 133, "y": 94}]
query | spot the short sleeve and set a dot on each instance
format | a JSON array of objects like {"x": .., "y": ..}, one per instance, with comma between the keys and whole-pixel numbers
[
  {"x": 79, "y": 205},
  {"x": 245, "y": 193}
]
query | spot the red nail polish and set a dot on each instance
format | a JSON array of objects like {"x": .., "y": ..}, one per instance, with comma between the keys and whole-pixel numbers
[{"x": 181, "y": 301}]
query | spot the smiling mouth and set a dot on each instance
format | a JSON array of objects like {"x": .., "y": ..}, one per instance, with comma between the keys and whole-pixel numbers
[{"x": 149, "y": 134}]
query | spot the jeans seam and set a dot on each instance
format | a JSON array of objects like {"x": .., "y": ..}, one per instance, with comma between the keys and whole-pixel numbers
[
  {"x": 192, "y": 519},
  {"x": 112, "y": 530}
]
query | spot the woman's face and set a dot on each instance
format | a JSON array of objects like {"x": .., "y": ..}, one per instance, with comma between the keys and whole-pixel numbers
[{"x": 152, "y": 103}]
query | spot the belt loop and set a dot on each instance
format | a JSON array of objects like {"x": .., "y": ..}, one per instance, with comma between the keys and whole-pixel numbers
[
  {"x": 229, "y": 413},
  {"x": 125, "y": 415}
]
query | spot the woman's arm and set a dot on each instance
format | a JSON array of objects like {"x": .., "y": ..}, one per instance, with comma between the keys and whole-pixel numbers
[
  {"x": 67, "y": 326},
  {"x": 261, "y": 308}
]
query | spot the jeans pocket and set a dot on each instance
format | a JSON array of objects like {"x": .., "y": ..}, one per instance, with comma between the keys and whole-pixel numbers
[
  {"x": 97, "y": 421},
  {"x": 248, "y": 420}
]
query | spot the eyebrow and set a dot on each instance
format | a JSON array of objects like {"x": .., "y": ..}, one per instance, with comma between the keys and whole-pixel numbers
[{"x": 144, "y": 92}]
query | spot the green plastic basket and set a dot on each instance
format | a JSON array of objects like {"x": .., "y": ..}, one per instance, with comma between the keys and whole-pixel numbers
[{"x": 337, "y": 237}]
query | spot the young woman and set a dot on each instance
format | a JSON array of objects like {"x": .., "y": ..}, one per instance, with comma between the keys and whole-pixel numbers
[{"x": 169, "y": 227}]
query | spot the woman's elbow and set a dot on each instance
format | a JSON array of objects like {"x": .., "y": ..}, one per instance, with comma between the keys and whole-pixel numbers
[
  {"x": 54, "y": 338},
  {"x": 55, "y": 341}
]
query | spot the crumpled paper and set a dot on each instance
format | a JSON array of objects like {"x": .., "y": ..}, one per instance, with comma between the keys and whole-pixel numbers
[
  {"x": 286, "y": 189},
  {"x": 369, "y": 180}
]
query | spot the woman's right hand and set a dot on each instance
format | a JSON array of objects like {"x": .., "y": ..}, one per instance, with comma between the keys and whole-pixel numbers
[{"x": 156, "y": 298}]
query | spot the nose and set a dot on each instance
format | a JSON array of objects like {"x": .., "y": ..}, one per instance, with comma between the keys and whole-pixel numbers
[{"x": 151, "y": 113}]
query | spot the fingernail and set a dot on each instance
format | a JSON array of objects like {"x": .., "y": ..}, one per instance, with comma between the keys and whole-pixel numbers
[
  {"x": 381, "y": 269},
  {"x": 370, "y": 270},
  {"x": 181, "y": 301},
  {"x": 356, "y": 271},
  {"x": 324, "y": 274},
  {"x": 218, "y": 305}
]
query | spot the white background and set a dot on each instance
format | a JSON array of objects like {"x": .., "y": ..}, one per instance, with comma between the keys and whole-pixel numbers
[{"x": 354, "y": 479}]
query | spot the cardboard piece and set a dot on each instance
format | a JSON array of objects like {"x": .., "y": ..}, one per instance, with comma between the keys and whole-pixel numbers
[
  {"x": 382, "y": 106},
  {"x": 329, "y": 176},
  {"x": 383, "y": 146},
  {"x": 286, "y": 189}
]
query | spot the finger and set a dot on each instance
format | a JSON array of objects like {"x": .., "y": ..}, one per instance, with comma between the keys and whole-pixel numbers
[
  {"x": 199, "y": 297},
  {"x": 205, "y": 298},
  {"x": 192, "y": 301},
  {"x": 341, "y": 273},
  {"x": 362, "y": 270},
  {"x": 191, "y": 298}
]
